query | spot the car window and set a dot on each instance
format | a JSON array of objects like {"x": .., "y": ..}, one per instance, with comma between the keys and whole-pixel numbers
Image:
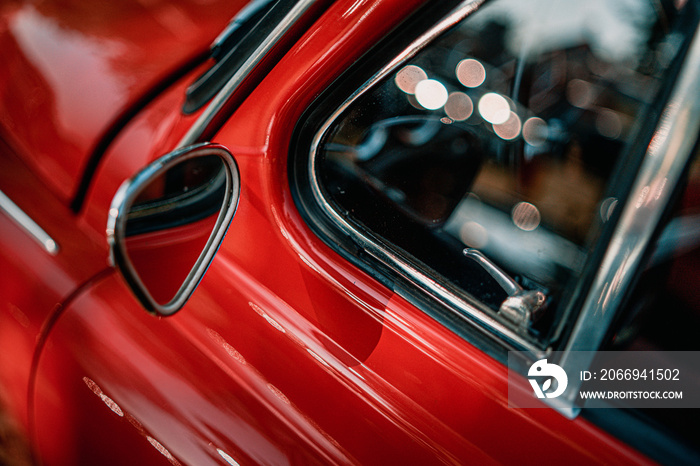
[{"x": 491, "y": 161}]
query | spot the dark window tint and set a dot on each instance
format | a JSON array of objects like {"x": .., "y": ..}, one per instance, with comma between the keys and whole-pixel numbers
[{"x": 502, "y": 136}]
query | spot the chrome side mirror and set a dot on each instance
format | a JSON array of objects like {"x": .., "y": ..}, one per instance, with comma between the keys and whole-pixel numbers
[{"x": 167, "y": 222}]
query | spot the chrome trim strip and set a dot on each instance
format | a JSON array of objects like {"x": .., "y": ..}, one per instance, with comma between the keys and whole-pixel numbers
[
  {"x": 667, "y": 155},
  {"x": 222, "y": 97},
  {"x": 374, "y": 247},
  {"x": 28, "y": 225}
]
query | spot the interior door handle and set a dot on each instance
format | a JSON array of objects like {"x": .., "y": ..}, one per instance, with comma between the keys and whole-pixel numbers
[{"x": 521, "y": 307}]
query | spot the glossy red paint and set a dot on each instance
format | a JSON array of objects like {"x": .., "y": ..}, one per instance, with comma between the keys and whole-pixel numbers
[
  {"x": 71, "y": 68},
  {"x": 285, "y": 353},
  {"x": 34, "y": 284},
  {"x": 46, "y": 137}
]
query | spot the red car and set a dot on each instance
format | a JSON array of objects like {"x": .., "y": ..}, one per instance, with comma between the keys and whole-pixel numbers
[{"x": 316, "y": 240}]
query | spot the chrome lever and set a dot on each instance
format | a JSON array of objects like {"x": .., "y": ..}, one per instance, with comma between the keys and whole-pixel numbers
[{"x": 521, "y": 307}]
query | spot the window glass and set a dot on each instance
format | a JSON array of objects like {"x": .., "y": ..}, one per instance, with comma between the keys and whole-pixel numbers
[{"x": 502, "y": 136}]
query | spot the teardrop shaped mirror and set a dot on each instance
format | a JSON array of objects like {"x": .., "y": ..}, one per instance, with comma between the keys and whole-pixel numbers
[{"x": 167, "y": 222}]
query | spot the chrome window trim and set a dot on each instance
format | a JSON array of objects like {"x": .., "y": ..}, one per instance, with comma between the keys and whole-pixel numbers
[
  {"x": 28, "y": 225},
  {"x": 512, "y": 339},
  {"x": 216, "y": 105},
  {"x": 664, "y": 163}
]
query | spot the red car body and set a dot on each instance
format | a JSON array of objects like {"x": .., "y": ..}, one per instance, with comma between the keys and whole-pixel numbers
[{"x": 286, "y": 353}]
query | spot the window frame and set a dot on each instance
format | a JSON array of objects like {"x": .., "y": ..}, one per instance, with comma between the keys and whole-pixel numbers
[
  {"x": 460, "y": 305},
  {"x": 589, "y": 326}
]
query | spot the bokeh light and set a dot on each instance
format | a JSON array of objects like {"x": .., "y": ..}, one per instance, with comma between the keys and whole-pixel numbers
[
  {"x": 459, "y": 106},
  {"x": 494, "y": 108},
  {"x": 431, "y": 94},
  {"x": 608, "y": 123},
  {"x": 510, "y": 129},
  {"x": 526, "y": 216},
  {"x": 471, "y": 72},
  {"x": 580, "y": 93},
  {"x": 535, "y": 131},
  {"x": 408, "y": 77}
]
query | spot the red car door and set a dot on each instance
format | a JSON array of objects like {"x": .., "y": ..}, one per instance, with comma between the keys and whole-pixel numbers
[{"x": 299, "y": 344}]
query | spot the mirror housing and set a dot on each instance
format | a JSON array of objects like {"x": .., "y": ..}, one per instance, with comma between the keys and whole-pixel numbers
[{"x": 166, "y": 223}]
